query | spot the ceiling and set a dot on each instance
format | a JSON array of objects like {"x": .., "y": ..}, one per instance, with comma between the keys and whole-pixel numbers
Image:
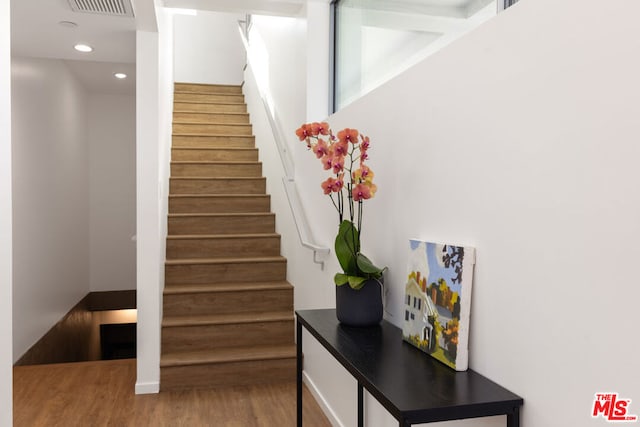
[{"x": 36, "y": 32}]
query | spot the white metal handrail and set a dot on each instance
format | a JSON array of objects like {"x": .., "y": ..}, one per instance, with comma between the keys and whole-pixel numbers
[{"x": 297, "y": 210}]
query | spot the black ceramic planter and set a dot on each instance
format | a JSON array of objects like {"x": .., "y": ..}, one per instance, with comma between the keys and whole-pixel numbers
[{"x": 361, "y": 307}]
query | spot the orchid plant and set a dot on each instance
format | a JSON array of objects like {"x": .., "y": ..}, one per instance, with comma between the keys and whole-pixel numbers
[{"x": 351, "y": 183}]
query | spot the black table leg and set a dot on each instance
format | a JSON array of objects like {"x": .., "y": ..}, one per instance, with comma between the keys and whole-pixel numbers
[
  {"x": 513, "y": 418},
  {"x": 360, "y": 405},
  {"x": 299, "y": 371}
]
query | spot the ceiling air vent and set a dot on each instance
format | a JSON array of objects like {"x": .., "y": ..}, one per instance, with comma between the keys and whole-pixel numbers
[{"x": 103, "y": 7}]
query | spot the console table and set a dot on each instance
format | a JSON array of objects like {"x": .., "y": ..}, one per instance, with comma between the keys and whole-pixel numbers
[{"x": 411, "y": 385}]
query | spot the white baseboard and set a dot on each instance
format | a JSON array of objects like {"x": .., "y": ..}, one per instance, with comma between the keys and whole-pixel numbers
[
  {"x": 148, "y": 388},
  {"x": 333, "y": 418}
]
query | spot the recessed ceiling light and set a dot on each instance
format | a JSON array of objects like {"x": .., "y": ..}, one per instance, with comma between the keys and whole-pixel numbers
[
  {"x": 120, "y": 75},
  {"x": 85, "y": 48},
  {"x": 68, "y": 24}
]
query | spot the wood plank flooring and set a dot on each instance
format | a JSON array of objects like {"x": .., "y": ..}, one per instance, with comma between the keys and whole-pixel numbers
[{"x": 98, "y": 394}]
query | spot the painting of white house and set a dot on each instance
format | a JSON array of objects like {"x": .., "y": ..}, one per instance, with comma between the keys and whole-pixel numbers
[{"x": 437, "y": 301}]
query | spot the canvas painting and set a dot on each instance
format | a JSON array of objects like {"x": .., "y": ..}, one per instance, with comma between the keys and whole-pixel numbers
[{"x": 437, "y": 301}]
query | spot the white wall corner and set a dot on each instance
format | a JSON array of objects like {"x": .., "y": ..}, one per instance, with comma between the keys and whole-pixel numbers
[
  {"x": 322, "y": 402},
  {"x": 145, "y": 11},
  {"x": 6, "y": 339},
  {"x": 148, "y": 212}
]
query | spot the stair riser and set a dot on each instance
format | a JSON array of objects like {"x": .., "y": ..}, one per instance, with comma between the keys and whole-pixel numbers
[
  {"x": 227, "y": 302},
  {"x": 213, "y": 141},
  {"x": 211, "y": 129},
  {"x": 222, "y": 225},
  {"x": 213, "y": 98},
  {"x": 190, "y": 107},
  {"x": 207, "y": 88},
  {"x": 223, "y": 247},
  {"x": 214, "y": 155},
  {"x": 225, "y": 272},
  {"x": 227, "y": 374},
  {"x": 211, "y": 337},
  {"x": 216, "y": 169},
  {"x": 218, "y": 186},
  {"x": 220, "y": 204},
  {"x": 179, "y": 117}
]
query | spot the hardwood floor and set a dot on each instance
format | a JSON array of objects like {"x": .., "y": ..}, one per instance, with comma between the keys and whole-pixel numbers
[{"x": 102, "y": 394}]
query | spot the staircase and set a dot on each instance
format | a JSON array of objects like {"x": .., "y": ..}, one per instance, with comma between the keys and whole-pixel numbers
[{"x": 227, "y": 307}]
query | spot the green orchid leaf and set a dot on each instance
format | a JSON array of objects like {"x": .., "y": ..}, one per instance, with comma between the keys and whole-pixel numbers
[
  {"x": 346, "y": 246},
  {"x": 366, "y": 266},
  {"x": 356, "y": 282},
  {"x": 341, "y": 279}
]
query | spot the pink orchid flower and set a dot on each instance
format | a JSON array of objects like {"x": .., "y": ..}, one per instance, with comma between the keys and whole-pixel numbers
[
  {"x": 338, "y": 164},
  {"x": 360, "y": 192},
  {"x": 319, "y": 128},
  {"x": 320, "y": 149},
  {"x": 363, "y": 174},
  {"x": 332, "y": 185},
  {"x": 327, "y": 162},
  {"x": 348, "y": 135},
  {"x": 340, "y": 148},
  {"x": 303, "y": 132}
]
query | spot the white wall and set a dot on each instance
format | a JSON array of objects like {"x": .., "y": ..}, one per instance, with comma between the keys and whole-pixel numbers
[
  {"x": 148, "y": 211},
  {"x": 318, "y": 71},
  {"x": 208, "y": 48},
  {"x": 153, "y": 118},
  {"x": 6, "y": 356},
  {"x": 284, "y": 38},
  {"x": 50, "y": 197},
  {"x": 520, "y": 143},
  {"x": 112, "y": 199}
]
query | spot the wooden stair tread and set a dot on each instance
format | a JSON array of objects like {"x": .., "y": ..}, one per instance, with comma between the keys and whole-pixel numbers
[
  {"x": 206, "y": 84},
  {"x": 214, "y": 123},
  {"x": 214, "y": 162},
  {"x": 210, "y": 102},
  {"x": 212, "y": 147},
  {"x": 214, "y": 178},
  {"x": 226, "y": 319},
  {"x": 219, "y": 113},
  {"x": 239, "y": 196},
  {"x": 220, "y": 214},
  {"x": 229, "y": 355},
  {"x": 188, "y": 122},
  {"x": 223, "y": 236},
  {"x": 226, "y": 136},
  {"x": 236, "y": 260},
  {"x": 225, "y": 287},
  {"x": 220, "y": 135},
  {"x": 204, "y": 92},
  {"x": 208, "y": 92}
]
